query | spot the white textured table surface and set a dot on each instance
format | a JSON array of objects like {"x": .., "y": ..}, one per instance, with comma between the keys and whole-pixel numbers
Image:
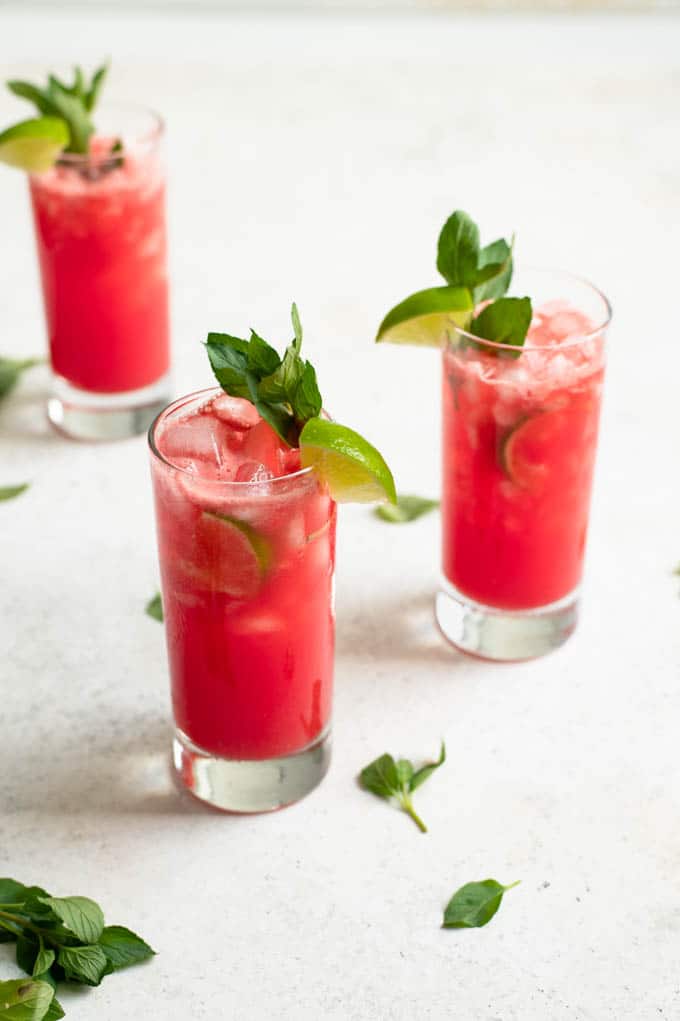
[{"x": 316, "y": 159}]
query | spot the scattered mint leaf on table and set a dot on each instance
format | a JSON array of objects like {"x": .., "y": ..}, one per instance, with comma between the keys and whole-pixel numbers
[
  {"x": 154, "y": 608},
  {"x": 474, "y": 904},
  {"x": 407, "y": 508},
  {"x": 389, "y": 779},
  {"x": 11, "y": 369},
  {"x": 61, "y": 937},
  {"x": 10, "y": 492}
]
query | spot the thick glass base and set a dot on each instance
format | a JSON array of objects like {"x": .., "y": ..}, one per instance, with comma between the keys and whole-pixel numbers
[
  {"x": 83, "y": 415},
  {"x": 251, "y": 785},
  {"x": 504, "y": 634}
]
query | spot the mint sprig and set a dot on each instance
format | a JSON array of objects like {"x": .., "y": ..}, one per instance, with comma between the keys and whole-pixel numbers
[
  {"x": 398, "y": 779},
  {"x": 58, "y": 938},
  {"x": 71, "y": 103},
  {"x": 284, "y": 390},
  {"x": 504, "y": 321}
]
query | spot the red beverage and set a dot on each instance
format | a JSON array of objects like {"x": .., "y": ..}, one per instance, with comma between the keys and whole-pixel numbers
[
  {"x": 519, "y": 443},
  {"x": 101, "y": 240},
  {"x": 247, "y": 550}
]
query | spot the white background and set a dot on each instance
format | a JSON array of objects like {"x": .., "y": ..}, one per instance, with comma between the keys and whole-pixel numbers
[{"x": 316, "y": 158}]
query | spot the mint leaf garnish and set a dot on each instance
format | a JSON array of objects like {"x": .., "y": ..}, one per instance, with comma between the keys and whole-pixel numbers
[
  {"x": 25, "y": 1000},
  {"x": 504, "y": 321},
  {"x": 474, "y": 904},
  {"x": 494, "y": 271},
  {"x": 284, "y": 390},
  {"x": 11, "y": 369},
  {"x": 389, "y": 779},
  {"x": 154, "y": 608},
  {"x": 72, "y": 103},
  {"x": 10, "y": 492},
  {"x": 407, "y": 508},
  {"x": 59, "y": 937}
]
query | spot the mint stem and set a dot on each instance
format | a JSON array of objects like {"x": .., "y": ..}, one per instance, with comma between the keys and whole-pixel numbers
[
  {"x": 17, "y": 921},
  {"x": 407, "y": 805}
]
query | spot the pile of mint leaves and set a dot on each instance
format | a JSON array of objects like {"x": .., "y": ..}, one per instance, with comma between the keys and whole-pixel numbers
[
  {"x": 486, "y": 273},
  {"x": 71, "y": 104},
  {"x": 58, "y": 939}
]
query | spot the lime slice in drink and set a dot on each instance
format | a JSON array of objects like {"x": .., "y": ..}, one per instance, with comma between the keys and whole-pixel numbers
[
  {"x": 230, "y": 556},
  {"x": 531, "y": 448},
  {"x": 427, "y": 318},
  {"x": 354, "y": 471},
  {"x": 35, "y": 144}
]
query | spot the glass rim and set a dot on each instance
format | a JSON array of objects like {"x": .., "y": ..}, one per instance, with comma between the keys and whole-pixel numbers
[
  {"x": 582, "y": 338},
  {"x": 152, "y": 134},
  {"x": 224, "y": 484}
]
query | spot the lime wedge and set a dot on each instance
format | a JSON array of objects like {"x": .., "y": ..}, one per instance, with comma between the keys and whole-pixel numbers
[
  {"x": 354, "y": 471},
  {"x": 427, "y": 318},
  {"x": 35, "y": 144}
]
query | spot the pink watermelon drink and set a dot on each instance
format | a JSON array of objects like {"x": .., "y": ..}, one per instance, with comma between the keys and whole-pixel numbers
[
  {"x": 246, "y": 543},
  {"x": 246, "y": 480},
  {"x": 519, "y": 441},
  {"x": 101, "y": 239},
  {"x": 98, "y": 199},
  {"x": 522, "y": 386}
]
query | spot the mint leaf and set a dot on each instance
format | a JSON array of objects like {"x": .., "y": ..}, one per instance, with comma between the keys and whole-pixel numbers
[
  {"x": 389, "y": 779},
  {"x": 505, "y": 321},
  {"x": 458, "y": 250},
  {"x": 86, "y": 965},
  {"x": 229, "y": 362},
  {"x": 407, "y": 508},
  {"x": 10, "y": 492},
  {"x": 154, "y": 608},
  {"x": 80, "y": 915},
  {"x": 27, "y": 951},
  {"x": 425, "y": 772},
  {"x": 24, "y": 1000},
  {"x": 11, "y": 369},
  {"x": 54, "y": 1011},
  {"x": 91, "y": 95},
  {"x": 494, "y": 271},
  {"x": 297, "y": 326},
  {"x": 44, "y": 961},
  {"x": 123, "y": 947},
  {"x": 11, "y": 892},
  {"x": 474, "y": 904},
  {"x": 262, "y": 358},
  {"x": 381, "y": 777}
]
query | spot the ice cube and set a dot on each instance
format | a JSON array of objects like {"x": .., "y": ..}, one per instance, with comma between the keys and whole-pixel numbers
[
  {"x": 253, "y": 471},
  {"x": 235, "y": 411},
  {"x": 195, "y": 437}
]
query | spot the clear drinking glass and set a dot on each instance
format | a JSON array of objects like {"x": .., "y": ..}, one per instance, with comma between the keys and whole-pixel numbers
[
  {"x": 247, "y": 572},
  {"x": 101, "y": 240},
  {"x": 519, "y": 443}
]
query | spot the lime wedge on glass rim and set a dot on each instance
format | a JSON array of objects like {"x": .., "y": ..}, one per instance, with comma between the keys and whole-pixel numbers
[
  {"x": 34, "y": 145},
  {"x": 354, "y": 471},
  {"x": 427, "y": 318}
]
